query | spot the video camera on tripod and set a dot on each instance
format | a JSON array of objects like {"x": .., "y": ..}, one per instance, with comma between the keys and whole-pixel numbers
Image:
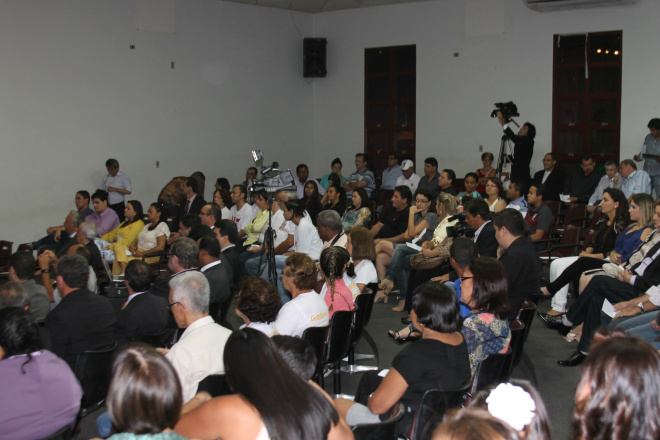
[
  {"x": 274, "y": 179},
  {"x": 509, "y": 110}
]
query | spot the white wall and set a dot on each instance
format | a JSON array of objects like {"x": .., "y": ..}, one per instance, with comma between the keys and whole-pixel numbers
[
  {"x": 455, "y": 95},
  {"x": 74, "y": 94}
]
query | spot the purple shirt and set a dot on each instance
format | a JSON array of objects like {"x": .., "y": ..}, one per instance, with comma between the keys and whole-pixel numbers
[
  {"x": 41, "y": 401},
  {"x": 105, "y": 221}
]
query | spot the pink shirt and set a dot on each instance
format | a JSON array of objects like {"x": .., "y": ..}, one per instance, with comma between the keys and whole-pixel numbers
[{"x": 343, "y": 298}]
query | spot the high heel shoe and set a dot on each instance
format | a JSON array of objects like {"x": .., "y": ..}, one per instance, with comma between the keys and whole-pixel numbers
[{"x": 396, "y": 337}]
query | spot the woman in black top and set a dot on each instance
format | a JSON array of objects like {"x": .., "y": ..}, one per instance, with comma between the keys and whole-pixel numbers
[
  {"x": 312, "y": 200},
  {"x": 336, "y": 197}
]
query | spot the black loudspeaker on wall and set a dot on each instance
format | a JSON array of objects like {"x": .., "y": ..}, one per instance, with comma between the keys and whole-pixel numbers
[{"x": 314, "y": 57}]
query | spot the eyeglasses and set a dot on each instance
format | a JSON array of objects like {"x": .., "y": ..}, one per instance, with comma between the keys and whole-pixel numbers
[
  {"x": 421, "y": 201},
  {"x": 465, "y": 278},
  {"x": 169, "y": 306}
]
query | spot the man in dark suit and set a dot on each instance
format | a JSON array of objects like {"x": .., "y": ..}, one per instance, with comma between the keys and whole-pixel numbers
[
  {"x": 552, "y": 178},
  {"x": 227, "y": 235},
  {"x": 143, "y": 313},
  {"x": 523, "y": 268},
  {"x": 82, "y": 320},
  {"x": 213, "y": 268},
  {"x": 477, "y": 216},
  {"x": 183, "y": 258},
  {"x": 85, "y": 236},
  {"x": 192, "y": 204}
]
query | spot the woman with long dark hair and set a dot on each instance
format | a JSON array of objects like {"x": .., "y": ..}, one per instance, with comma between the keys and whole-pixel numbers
[
  {"x": 152, "y": 238},
  {"x": 336, "y": 197},
  {"x": 312, "y": 200},
  {"x": 127, "y": 232},
  {"x": 358, "y": 215},
  {"x": 613, "y": 222},
  {"x": 270, "y": 400}
]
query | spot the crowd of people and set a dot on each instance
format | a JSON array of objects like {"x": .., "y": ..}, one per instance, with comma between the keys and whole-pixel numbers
[{"x": 294, "y": 258}]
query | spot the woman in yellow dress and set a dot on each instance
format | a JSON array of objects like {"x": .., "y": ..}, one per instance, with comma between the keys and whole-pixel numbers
[{"x": 126, "y": 233}]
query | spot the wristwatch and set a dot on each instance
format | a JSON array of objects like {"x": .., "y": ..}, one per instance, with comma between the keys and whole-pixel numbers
[
  {"x": 641, "y": 307},
  {"x": 45, "y": 270}
]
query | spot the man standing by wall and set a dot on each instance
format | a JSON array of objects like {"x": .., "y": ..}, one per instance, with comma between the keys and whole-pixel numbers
[
  {"x": 523, "y": 148},
  {"x": 651, "y": 147},
  {"x": 118, "y": 185}
]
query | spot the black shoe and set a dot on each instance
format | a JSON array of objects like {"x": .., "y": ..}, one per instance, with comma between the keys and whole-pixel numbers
[
  {"x": 575, "y": 359},
  {"x": 405, "y": 320},
  {"x": 412, "y": 336},
  {"x": 554, "y": 322}
]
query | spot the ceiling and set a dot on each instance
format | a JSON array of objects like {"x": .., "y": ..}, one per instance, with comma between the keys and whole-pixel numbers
[{"x": 321, "y": 5}]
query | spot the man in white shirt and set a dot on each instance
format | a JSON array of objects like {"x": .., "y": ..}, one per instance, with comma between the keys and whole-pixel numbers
[
  {"x": 118, "y": 185},
  {"x": 329, "y": 226},
  {"x": 408, "y": 177},
  {"x": 633, "y": 182},
  {"x": 199, "y": 352},
  {"x": 242, "y": 212},
  {"x": 609, "y": 180},
  {"x": 391, "y": 173}
]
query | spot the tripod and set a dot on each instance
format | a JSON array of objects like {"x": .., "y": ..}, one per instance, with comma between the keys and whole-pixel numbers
[
  {"x": 506, "y": 152},
  {"x": 269, "y": 245}
]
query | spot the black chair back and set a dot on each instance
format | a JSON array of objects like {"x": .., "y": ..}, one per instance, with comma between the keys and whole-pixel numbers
[
  {"x": 215, "y": 384},
  {"x": 433, "y": 407},
  {"x": 154, "y": 339},
  {"x": 385, "y": 430},
  {"x": 490, "y": 371},
  {"x": 224, "y": 310},
  {"x": 363, "y": 305},
  {"x": 316, "y": 336},
  {"x": 93, "y": 369},
  {"x": 516, "y": 345},
  {"x": 339, "y": 344},
  {"x": 526, "y": 316}
]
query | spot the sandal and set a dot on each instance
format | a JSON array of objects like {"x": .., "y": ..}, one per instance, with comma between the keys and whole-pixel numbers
[
  {"x": 380, "y": 296},
  {"x": 396, "y": 337},
  {"x": 573, "y": 337},
  {"x": 400, "y": 307}
]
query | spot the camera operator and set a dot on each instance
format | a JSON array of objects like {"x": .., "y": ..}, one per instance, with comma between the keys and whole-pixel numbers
[
  {"x": 523, "y": 148},
  {"x": 477, "y": 216}
]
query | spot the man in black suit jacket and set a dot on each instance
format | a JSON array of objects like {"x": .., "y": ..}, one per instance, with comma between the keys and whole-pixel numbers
[
  {"x": 477, "y": 216},
  {"x": 192, "y": 203},
  {"x": 85, "y": 236},
  {"x": 183, "y": 258},
  {"x": 82, "y": 320},
  {"x": 143, "y": 313},
  {"x": 523, "y": 268},
  {"x": 227, "y": 235},
  {"x": 213, "y": 264},
  {"x": 554, "y": 183}
]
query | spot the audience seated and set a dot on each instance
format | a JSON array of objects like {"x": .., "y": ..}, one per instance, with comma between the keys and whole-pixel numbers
[
  {"x": 105, "y": 219},
  {"x": 617, "y": 393},
  {"x": 516, "y": 195},
  {"x": 48, "y": 263},
  {"x": 609, "y": 180},
  {"x": 473, "y": 424},
  {"x": 361, "y": 248},
  {"x": 143, "y": 313},
  {"x": 54, "y": 240},
  {"x": 258, "y": 304},
  {"x": 633, "y": 181},
  {"x": 330, "y": 229},
  {"x": 539, "y": 218},
  {"x": 198, "y": 353},
  {"x": 495, "y": 196},
  {"x": 614, "y": 221},
  {"x": 192, "y": 203},
  {"x": 222, "y": 198},
  {"x": 86, "y": 236},
  {"x": 249, "y": 235},
  {"x": 335, "y": 168},
  {"x": 335, "y": 292},
  {"x": 552, "y": 177},
  {"x": 200, "y": 231},
  {"x": 359, "y": 214},
  {"x": 257, "y": 373},
  {"x": 394, "y": 220},
  {"x": 241, "y": 213},
  {"x": 306, "y": 308},
  {"x": 478, "y": 218},
  {"x": 145, "y": 399},
  {"x": 215, "y": 268},
  {"x": 186, "y": 224},
  {"x": 470, "y": 184},
  {"x": 523, "y": 268},
  {"x": 445, "y": 182},
  {"x": 361, "y": 178},
  {"x": 438, "y": 360},
  {"x": 431, "y": 179},
  {"x": 302, "y": 172},
  {"x": 336, "y": 199},
  {"x": 408, "y": 176},
  {"x": 312, "y": 200},
  {"x": 82, "y": 320},
  {"x": 183, "y": 258},
  {"x": 21, "y": 270},
  {"x": 40, "y": 393},
  {"x": 127, "y": 232},
  {"x": 227, "y": 236},
  {"x": 582, "y": 184},
  {"x": 421, "y": 218},
  {"x": 392, "y": 173},
  {"x": 210, "y": 214},
  {"x": 484, "y": 173},
  {"x": 152, "y": 238}
]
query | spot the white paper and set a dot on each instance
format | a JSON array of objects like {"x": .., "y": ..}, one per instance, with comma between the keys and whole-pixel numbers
[
  {"x": 414, "y": 246},
  {"x": 608, "y": 309},
  {"x": 419, "y": 237},
  {"x": 383, "y": 373},
  {"x": 565, "y": 198}
]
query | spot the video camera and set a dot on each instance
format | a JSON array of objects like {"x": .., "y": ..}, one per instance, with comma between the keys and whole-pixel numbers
[
  {"x": 460, "y": 229},
  {"x": 508, "y": 109},
  {"x": 275, "y": 180}
]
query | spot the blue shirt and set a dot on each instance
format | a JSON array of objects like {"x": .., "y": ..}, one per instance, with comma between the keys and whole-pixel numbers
[
  {"x": 651, "y": 146},
  {"x": 390, "y": 175},
  {"x": 465, "y": 310},
  {"x": 519, "y": 204},
  {"x": 122, "y": 181},
  {"x": 637, "y": 182},
  {"x": 368, "y": 177}
]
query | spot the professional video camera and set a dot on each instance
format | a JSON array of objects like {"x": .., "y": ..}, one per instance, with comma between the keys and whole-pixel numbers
[
  {"x": 460, "y": 229},
  {"x": 508, "y": 109},
  {"x": 275, "y": 179}
]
